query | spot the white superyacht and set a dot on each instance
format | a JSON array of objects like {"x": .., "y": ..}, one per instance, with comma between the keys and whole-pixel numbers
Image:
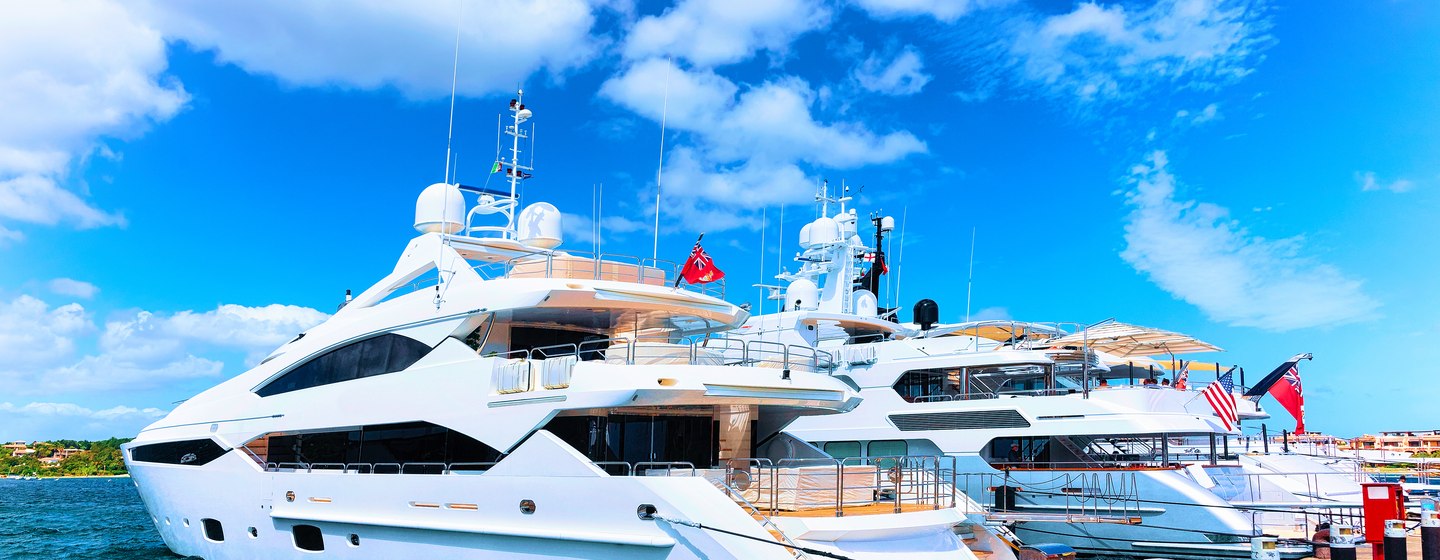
[
  {"x": 496, "y": 397},
  {"x": 1012, "y": 408}
]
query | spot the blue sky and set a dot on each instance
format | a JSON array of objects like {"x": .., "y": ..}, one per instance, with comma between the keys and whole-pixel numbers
[{"x": 183, "y": 186}]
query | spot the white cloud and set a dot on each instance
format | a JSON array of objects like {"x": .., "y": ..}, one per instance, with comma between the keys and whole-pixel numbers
[
  {"x": 370, "y": 44},
  {"x": 580, "y": 230},
  {"x": 1211, "y": 112},
  {"x": 73, "y": 288},
  {"x": 74, "y": 72},
  {"x": 71, "y": 409},
  {"x": 1105, "y": 53},
  {"x": 992, "y": 314},
  {"x": 143, "y": 350},
  {"x": 1198, "y": 253},
  {"x": 34, "y": 336},
  {"x": 943, "y": 10},
  {"x": 712, "y": 32},
  {"x": 1368, "y": 182},
  {"x": 52, "y": 420},
  {"x": 902, "y": 75},
  {"x": 746, "y": 144}
]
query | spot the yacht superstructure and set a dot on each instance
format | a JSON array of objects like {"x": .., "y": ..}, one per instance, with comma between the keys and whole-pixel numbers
[
  {"x": 1013, "y": 404},
  {"x": 494, "y": 396}
]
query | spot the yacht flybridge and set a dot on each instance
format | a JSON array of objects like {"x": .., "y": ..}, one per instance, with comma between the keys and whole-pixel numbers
[
  {"x": 1019, "y": 407},
  {"x": 495, "y": 396}
]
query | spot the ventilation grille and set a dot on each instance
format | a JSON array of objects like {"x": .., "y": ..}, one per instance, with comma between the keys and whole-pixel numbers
[{"x": 978, "y": 420}]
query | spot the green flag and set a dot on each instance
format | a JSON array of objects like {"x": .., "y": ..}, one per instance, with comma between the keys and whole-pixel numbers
[{"x": 495, "y": 168}]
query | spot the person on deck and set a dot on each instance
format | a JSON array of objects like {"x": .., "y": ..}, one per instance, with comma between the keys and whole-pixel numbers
[{"x": 1321, "y": 540}]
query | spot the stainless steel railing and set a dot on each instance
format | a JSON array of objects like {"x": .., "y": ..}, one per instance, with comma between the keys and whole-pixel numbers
[{"x": 584, "y": 265}]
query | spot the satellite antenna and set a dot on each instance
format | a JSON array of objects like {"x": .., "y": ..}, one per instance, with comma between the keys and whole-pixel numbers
[{"x": 664, "y": 111}]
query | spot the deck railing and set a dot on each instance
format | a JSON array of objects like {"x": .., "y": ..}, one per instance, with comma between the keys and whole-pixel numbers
[{"x": 584, "y": 265}]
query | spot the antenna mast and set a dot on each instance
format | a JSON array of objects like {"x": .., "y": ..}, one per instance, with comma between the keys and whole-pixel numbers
[
  {"x": 664, "y": 111},
  {"x": 970, "y": 283}
]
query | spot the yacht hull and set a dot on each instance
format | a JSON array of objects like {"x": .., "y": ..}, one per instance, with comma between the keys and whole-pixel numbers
[{"x": 480, "y": 516}]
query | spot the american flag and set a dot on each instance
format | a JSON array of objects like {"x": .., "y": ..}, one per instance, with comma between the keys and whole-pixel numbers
[{"x": 1221, "y": 397}]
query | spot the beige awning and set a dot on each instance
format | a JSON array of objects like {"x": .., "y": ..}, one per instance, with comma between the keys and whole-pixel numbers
[
  {"x": 1001, "y": 331},
  {"x": 1124, "y": 340}
]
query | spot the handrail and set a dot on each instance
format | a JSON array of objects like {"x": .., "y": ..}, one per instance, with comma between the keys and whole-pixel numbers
[{"x": 611, "y": 267}]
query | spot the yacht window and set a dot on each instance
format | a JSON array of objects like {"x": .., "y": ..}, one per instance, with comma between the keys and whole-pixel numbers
[
  {"x": 308, "y": 538},
  {"x": 842, "y": 449},
  {"x": 387, "y": 353},
  {"x": 378, "y": 447},
  {"x": 213, "y": 530},
  {"x": 194, "y": 452},
  {"x": 887, "y": 448}
]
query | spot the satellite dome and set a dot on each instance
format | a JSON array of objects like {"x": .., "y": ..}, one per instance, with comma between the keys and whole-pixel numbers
[
  {"x": 824, "y": 230},
  {"x": 805, "y": 237},
  {"x": 539, "y": 226},
  {"x": 440, "y": 208},
  {"x": 802, "y": 294},
  {"x": 866, "y": 304}
]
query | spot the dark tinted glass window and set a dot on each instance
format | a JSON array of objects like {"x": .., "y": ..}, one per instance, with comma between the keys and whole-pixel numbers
[
  {"x": 387, "y": 353},
  {"x": 308, "y": 537},
  {"x": 213, "y": 530},
  {"x": 410, "y": 442},
  {"x": 193, "y": 452}
]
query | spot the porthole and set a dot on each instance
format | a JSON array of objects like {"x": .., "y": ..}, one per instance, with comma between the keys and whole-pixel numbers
[
  {"x": 214, "y": 532},
  {"x": 167, "y": 521},
  {"x": 354, "y": 539},
  {"x": 185, "y": 522},
  {"x": 308, "y": 538},
  {"x": 527, "y": 507},
  {"x": 290, "y": 495},
  {"x": 253, "y": 532}
]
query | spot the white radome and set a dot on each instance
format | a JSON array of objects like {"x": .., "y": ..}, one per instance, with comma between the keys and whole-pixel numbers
[{"x": 440, "y": 208}]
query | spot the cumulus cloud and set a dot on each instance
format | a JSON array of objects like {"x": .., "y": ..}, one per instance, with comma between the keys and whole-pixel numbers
[
  {"x": 370, "y": 44},
  {"x": 713, "y": 32},
  {"x": 901, "y": 75},
  {"x": 1198, "y": 253},
  {"x": 747, "y": 143},
  {"x": 74, "y": 72},
  {"x": 138, "y": 351},
  {"x": 1104, "y": 52},
  {"x": 73, "y": 288},
  {"x": 1368, "y": 183},
  {"x": 63, "y": 420},
  {"x": 943, "y": 10}
]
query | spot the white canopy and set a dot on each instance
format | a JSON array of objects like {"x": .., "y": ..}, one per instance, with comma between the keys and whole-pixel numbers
[{"x": 1125, "y": 340}]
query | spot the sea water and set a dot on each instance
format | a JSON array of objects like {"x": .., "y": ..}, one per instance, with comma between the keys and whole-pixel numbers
[{"x": 76, "y": 518}]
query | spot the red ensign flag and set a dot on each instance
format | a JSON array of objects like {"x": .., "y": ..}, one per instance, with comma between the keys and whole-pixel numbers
[{"x": 700, "y": 268}]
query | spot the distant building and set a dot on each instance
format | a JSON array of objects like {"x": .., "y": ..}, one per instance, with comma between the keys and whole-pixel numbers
[
  {"x": 1405, "y": 442},
  {"x": 17, "y": 449},
  {"x": 63, "y": 453}
]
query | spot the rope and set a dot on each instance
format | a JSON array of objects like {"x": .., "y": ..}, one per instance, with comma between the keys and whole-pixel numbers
[{"x": 756, "y": 539}]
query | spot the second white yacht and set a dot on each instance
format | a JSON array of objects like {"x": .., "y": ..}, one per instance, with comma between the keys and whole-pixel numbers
[{"x": 1012, "y": 410}]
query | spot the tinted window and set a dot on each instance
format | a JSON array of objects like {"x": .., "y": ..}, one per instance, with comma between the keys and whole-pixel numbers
[
  {"x": 213, "y": 530},
  {"x": 410, "y": 442},
  {"x": 887, "y": 448},
  {"x": 308, "y": 537},
  {"x": 387, "y": 353},
  {"x": 193, "y": 452},
  {"x": 842, "y": 449}
]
